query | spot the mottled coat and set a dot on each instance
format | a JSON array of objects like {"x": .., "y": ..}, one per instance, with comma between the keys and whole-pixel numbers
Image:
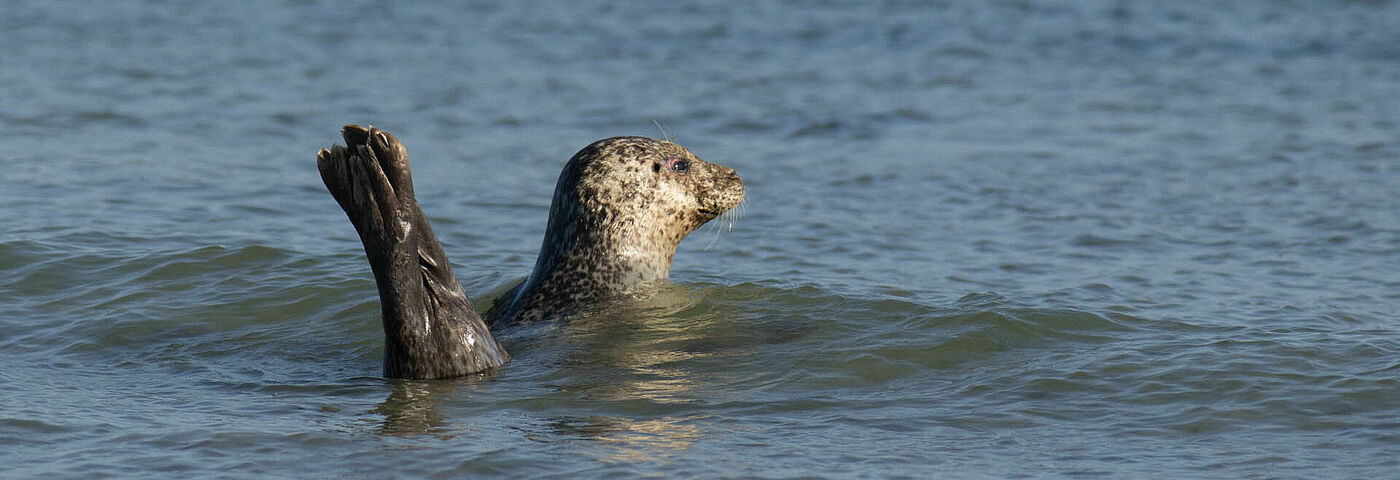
[{"x": 620, "y": 208}]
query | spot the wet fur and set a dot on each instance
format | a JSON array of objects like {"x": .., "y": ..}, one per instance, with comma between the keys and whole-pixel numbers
[
  {"x": 431, "y": 328},
  {"x": 620, "y": 209},
  {"x": 618, "y": 214}
]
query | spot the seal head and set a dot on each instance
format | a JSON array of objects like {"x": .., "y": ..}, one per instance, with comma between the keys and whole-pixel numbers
[{"x": 621, "y": 207}]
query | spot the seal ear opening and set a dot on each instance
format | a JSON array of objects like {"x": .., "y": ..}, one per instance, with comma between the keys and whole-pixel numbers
[{"x": 655, "y": 168}]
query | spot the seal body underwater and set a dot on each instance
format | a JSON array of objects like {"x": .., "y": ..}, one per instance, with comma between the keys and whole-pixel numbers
[{"x": 620, "y": 208}]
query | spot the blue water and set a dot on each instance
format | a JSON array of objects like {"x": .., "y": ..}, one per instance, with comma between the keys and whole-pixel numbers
[{"x": 983, "y": 239}]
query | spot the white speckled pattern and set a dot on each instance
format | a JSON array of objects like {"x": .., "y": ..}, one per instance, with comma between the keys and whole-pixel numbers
[{"x": 620, "y": 208}]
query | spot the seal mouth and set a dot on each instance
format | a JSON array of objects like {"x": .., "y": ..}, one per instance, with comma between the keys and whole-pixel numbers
[{"x": 709, "y": 213}]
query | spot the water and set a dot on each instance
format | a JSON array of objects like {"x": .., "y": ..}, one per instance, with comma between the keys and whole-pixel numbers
[{"x": 983, "y": 239}]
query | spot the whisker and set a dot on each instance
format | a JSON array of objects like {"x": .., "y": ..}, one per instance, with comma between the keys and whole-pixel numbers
[
  {"x": 665, "y": 135},
  {"x": 714, "y": 234},
  {"x": 725, "y": 222},
  {"x": 739, "y": 213}
]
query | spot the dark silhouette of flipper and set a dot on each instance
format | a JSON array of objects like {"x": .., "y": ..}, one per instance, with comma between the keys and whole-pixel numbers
[{"x": 431, "y": 328}]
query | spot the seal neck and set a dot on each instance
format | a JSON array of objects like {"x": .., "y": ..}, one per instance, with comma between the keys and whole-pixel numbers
[
  {"x": 587, "y": 257},
  {"x": 602, "y": 259}
]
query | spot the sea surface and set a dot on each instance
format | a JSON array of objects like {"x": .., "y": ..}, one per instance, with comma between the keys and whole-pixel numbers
[{"x": 982, "y": 239}]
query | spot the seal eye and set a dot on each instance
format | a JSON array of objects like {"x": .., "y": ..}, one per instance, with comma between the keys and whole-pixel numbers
[{"x": 678, "y": 165}]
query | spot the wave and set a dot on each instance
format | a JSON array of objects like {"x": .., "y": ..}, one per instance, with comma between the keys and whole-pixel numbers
[
  {"x": 254, "y": 317},
  {"x": 189, "y": 310}
]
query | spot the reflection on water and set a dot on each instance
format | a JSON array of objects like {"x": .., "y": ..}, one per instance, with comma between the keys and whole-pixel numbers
[
  {"x": 632, "y": 356},
  {"x": 412, "y": 409},
  {"x": 628, "y": 439},
  {"x": 642, "y": 347}
]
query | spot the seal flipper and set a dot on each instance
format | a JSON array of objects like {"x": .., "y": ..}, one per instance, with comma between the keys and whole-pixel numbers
[{"x": 431, "y": 328}]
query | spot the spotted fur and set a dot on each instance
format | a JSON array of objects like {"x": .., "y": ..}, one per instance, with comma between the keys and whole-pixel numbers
[{"x": 621, "y": 207}]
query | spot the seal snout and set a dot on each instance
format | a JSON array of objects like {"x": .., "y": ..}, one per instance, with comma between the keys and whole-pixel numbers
[{"x": 726, "y": 193}]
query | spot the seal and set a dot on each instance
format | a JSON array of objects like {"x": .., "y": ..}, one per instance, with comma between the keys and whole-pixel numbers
[{"x": 620, "y": 208}]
